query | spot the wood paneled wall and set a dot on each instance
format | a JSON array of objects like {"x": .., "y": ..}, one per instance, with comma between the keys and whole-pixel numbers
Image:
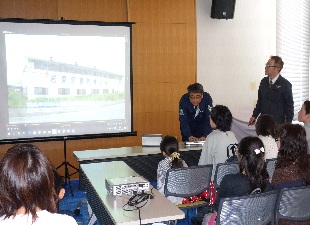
[{"x": 164, "y": 60}]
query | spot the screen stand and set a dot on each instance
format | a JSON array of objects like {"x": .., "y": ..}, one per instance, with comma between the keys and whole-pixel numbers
[{"x": 66, "y": 164}]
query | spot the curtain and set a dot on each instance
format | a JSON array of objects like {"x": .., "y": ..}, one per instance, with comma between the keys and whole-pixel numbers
[{"x": 293, "y": 45}]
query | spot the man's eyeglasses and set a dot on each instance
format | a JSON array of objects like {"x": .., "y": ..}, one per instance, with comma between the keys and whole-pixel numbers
[
  {"x": 195, "y": 97},
  {"x": 268, "y": 66}
]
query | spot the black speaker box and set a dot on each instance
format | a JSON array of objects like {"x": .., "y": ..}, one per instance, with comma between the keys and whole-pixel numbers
[{"x": 223, "y": 9}]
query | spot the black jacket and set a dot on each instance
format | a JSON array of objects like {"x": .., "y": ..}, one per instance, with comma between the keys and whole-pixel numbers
[{"x": 276, "y": 101}]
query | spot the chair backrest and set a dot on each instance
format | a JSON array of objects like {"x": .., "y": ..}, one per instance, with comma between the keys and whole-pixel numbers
[
  {"x": 255, "y": 209},
  {"x": 188, "y": 181},
  {"x": 293, "y": 204},
  {"x": 270, "y": 164},
  {"x": 151, "y": 140},
  {"x": 223, "y": 169}
]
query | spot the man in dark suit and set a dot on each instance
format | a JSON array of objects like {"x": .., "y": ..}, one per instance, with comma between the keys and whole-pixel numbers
[{"x": 275, "y": 95}]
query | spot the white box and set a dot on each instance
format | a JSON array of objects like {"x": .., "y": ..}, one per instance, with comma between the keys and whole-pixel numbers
[{"x": 127, "y": 185}]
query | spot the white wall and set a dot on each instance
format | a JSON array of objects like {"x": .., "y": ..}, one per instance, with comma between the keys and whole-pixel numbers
[{"x": 231, "y": 54}]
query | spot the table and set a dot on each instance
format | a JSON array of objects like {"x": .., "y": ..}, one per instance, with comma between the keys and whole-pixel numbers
[
  {"x": 108, "y": 208},
  {"x": 144, "y": 160},
  {"x": 100, "y": 154}
]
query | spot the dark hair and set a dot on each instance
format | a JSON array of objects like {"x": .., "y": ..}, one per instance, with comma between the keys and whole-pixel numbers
[
  {"x": 26, "y": 180},
  {"x": 266, "y": 125},
  {"x": 253, "y": 164},
  {"x": 169, "y": 145},
  {"x": 307, "y": 106},
  {"x": 58, "y": 180},
  {"x": 293, "y": 149},
  {"x": 222, "y": 117},
  {"x": 277, "y": 61},
  {"x": 195, "y": 88}
]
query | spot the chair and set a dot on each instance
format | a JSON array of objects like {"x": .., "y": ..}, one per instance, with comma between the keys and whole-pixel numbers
[
  {"x": 188, "y": 182},
  {"x": 255, "y": 209},
  {"x": 270, "y": 166},
  {"x": 293, "y": 205},
  {"x": 223, "y": 169}
]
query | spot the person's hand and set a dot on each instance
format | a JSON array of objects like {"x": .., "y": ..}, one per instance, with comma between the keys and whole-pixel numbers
[
  {"x": 202, "y": 138},
  {"x": 252, "y": 121},
  {"x": 192, "y": 138}
]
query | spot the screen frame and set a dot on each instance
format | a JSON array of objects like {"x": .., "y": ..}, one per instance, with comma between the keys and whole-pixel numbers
[{"x": 82, "y": 136}]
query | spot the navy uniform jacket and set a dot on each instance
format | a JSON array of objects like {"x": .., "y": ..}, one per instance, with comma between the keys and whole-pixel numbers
[
  {"x": 276, "y": 101},
  {"x": 189, "y": 124}
]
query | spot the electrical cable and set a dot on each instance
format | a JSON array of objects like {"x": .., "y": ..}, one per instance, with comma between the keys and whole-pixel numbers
[{"x": 138, "y": 201}]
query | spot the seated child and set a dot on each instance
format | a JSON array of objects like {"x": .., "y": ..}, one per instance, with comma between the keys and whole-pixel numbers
[
  {"x": 169, "y": 148},
  {"x": 266, "y": 131},
  {"x": 60, "y": 191},
  {"x": 214, "y": 150}
]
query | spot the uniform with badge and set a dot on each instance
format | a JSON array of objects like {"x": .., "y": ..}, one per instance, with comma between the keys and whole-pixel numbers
[{"x": 194, "y": 121}]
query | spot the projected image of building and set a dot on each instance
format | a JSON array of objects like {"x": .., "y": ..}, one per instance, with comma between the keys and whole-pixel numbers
[{"x": 44, "y": 78}]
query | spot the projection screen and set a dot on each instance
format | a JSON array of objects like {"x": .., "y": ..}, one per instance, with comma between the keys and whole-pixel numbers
[{"x": 64, "y": 79}]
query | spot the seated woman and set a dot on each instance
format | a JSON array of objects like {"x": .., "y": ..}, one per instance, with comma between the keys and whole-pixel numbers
[
  {"x": 169, "y": 148},
  {"x": 27, "y": 193},
  {"x": 292, "y": 167},
  {"x": 253, "y": 174},
  {"x": 266, "y": 131},
  {"x": 304, "y": 116},
  {"x": 214, "y": 150}
]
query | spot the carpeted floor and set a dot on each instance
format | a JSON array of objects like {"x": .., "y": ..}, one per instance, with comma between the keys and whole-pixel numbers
[{"x": 69, "y": 203}]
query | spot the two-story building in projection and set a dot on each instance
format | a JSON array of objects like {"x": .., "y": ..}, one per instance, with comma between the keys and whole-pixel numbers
[{"x": 42, "y": 78}]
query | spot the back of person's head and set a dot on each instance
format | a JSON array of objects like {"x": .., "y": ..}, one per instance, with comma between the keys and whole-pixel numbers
[
  {"x": 26, "y": 180},
  {"x": 58, "y": 181},
  {"x": 222, "y": 117},
  {"x": 195, "y": 88},
  {"x": 170, "y": 146},
  {"x": 252, "y": 162},
  {"x": 307, "y": 106},
  {"x": 266, "y": 126},
  {"x": 277, "y": 61},
  {"x": 293, "y": 147}
]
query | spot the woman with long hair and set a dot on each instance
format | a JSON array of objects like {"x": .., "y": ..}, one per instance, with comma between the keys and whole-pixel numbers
[
  {"x": 304, "y": 116},
  {"x": 292, "y": 167},
  {"x": 253, "y": 174},
  {"x": 27, "y": 192}
]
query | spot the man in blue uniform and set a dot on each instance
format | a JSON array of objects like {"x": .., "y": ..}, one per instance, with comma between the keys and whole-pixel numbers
[{"x": 194, "y": 111}]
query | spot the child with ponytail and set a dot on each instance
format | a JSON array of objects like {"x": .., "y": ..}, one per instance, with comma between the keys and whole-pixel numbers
[{"x": 169, "y": 148}]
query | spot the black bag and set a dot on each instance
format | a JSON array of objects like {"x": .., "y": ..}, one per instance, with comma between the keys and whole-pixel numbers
[{"x": 233, "y": 157}]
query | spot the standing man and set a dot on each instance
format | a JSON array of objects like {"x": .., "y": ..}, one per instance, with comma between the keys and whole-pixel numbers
[
  {"x": 275, "y": 95},
  {"x": 194, "y": 112}
]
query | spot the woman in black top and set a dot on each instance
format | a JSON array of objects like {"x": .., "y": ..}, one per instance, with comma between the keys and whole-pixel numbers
[{"x": 253, "y": 173}]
